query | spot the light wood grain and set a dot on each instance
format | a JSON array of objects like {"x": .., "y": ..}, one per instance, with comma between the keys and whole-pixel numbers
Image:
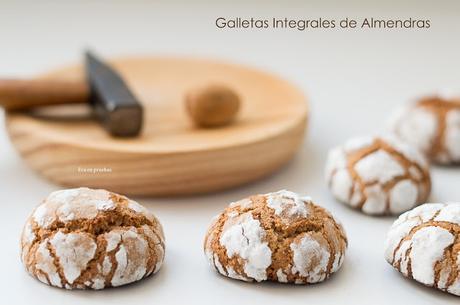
[
  {"x": 17, "y": 94},
  {"x": 171, "y": 157}
]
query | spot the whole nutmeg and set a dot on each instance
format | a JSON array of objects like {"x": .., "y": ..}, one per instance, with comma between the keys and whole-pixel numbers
[{"x": 212, "y": 106}]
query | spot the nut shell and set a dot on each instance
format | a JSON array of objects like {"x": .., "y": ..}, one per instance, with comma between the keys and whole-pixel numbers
[
  {"x": 276, "y": 237},
  {"x": 91, "y": 239},
  {"x": 424, "y": 245},
  {"x": 212, "y": 106},
  {"x": 378, "y": 175}
]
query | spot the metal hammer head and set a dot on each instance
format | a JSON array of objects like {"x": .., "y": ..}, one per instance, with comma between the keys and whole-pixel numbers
[{"x": 114, "y": 104}]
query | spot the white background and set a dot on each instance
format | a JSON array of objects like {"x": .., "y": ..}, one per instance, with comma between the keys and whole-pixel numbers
[{"x": 353, "y": 78}]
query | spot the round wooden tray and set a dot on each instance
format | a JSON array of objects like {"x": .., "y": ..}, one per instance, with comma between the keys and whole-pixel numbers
[{"x": 171, "y": 157}]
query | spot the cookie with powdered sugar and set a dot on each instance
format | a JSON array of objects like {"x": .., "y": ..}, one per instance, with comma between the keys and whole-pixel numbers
[
  {"x": 378, "y": 175},
  {"x": 91, "y": 239},
  {"x": 433, "y": 126},
  {"x": 424, "y": 245},
  {"x": 276, "y": 237}
]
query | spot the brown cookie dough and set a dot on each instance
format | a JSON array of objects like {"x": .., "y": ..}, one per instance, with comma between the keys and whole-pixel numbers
[
  {"x": 83, "y": 238},
  {"x": 277, "y": 237}
]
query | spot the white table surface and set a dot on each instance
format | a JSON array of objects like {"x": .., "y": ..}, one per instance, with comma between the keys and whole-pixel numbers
[{"x": 353, "y": 79}]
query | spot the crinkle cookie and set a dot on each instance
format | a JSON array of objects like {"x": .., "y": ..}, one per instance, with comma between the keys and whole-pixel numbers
[
  {"x": 424, "y": 245},
  {"x": 277, "y": 237},
  {"x": 378, "y": 175},
  {"x": 83, "y": 238},
  {"x": 432, "y": 125}
]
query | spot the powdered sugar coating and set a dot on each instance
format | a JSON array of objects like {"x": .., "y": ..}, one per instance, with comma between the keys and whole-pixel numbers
[
  {"x": 449, "y": 213},
  {"x": 423, "y": 244},
  {"x": 288, "y": 205},
  {"x": 337, "y": 159},
  {"x": 376, "y": 199},
  {"x": 28, "y": 235},
  {"x": 47, "y": 270},
  {"x": 357, "y": 143},
  {"x": 408, "y": 151},
  {"x": 235, "y": 275},
  {"x": 273, "y": 237},
  {"x": 433, "y": 126},
  {"x": 131, "y": 258},
  {"x": 245, "y": 238},
  {"x": 379, "y": 166},
  {"x": 310, "y": 258},
  {"x": 403, "y": 196},
  {"x": 84, "y": 238},
  {"x": 74, "y": 251},
  {"x": 245, "y": 203},
  {"x": 338, "y": 260},
  {"x": 342, "y": 185},
  {"x": 282, "y": 277},
  {"x": 382, "y": 176},
  {"x": 418, "y": 126},
  {"x": 427, "y": 248},
  {"x": 140, "y": 209},
  {"x": 67, "y": 205}
]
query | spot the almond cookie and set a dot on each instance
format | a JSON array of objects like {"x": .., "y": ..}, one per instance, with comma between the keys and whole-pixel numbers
[
  {"x": 433, "y": 126},
  {"x": 276, "y": 237},
  {"x": 424, "y": 245},
  {"x": 378, "y": 175},
  {"x": 91, "y": 239}
]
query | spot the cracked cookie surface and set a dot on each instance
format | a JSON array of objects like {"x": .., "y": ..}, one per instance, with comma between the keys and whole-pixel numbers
[
  {"x": 91, "y": 239},
  {"x": 432, "y": 125},
  {"x": 424, "y": 245},
  {"x": 277, "y": 237},
  {"x": 378, "y": 175}
]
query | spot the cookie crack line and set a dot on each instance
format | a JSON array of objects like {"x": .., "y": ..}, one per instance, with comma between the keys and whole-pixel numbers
[
  {"x": 453, "y": 229},
  {"x": 74, "y": 226},
  {"x": 308, "y": 226},
  {"x": 332, "y": 254},
  {"x": 407, "y": 162},
  {"x": 97, "y": 256},
  {"x": 437, "y": 269},
  {"x": 114, "y": 263},
  {"x": 244, "y": 235},
  {"x": 351, "y": 163},
  {"x": 455, "y": 268},
  {"x": 409, "y": 262},
  {"x": 57, "y": 264}
]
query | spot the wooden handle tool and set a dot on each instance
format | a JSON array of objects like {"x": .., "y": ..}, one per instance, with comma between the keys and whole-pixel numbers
[
  {"x": 112, "y": 102},
  {"x": 18, "y": 94}
]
